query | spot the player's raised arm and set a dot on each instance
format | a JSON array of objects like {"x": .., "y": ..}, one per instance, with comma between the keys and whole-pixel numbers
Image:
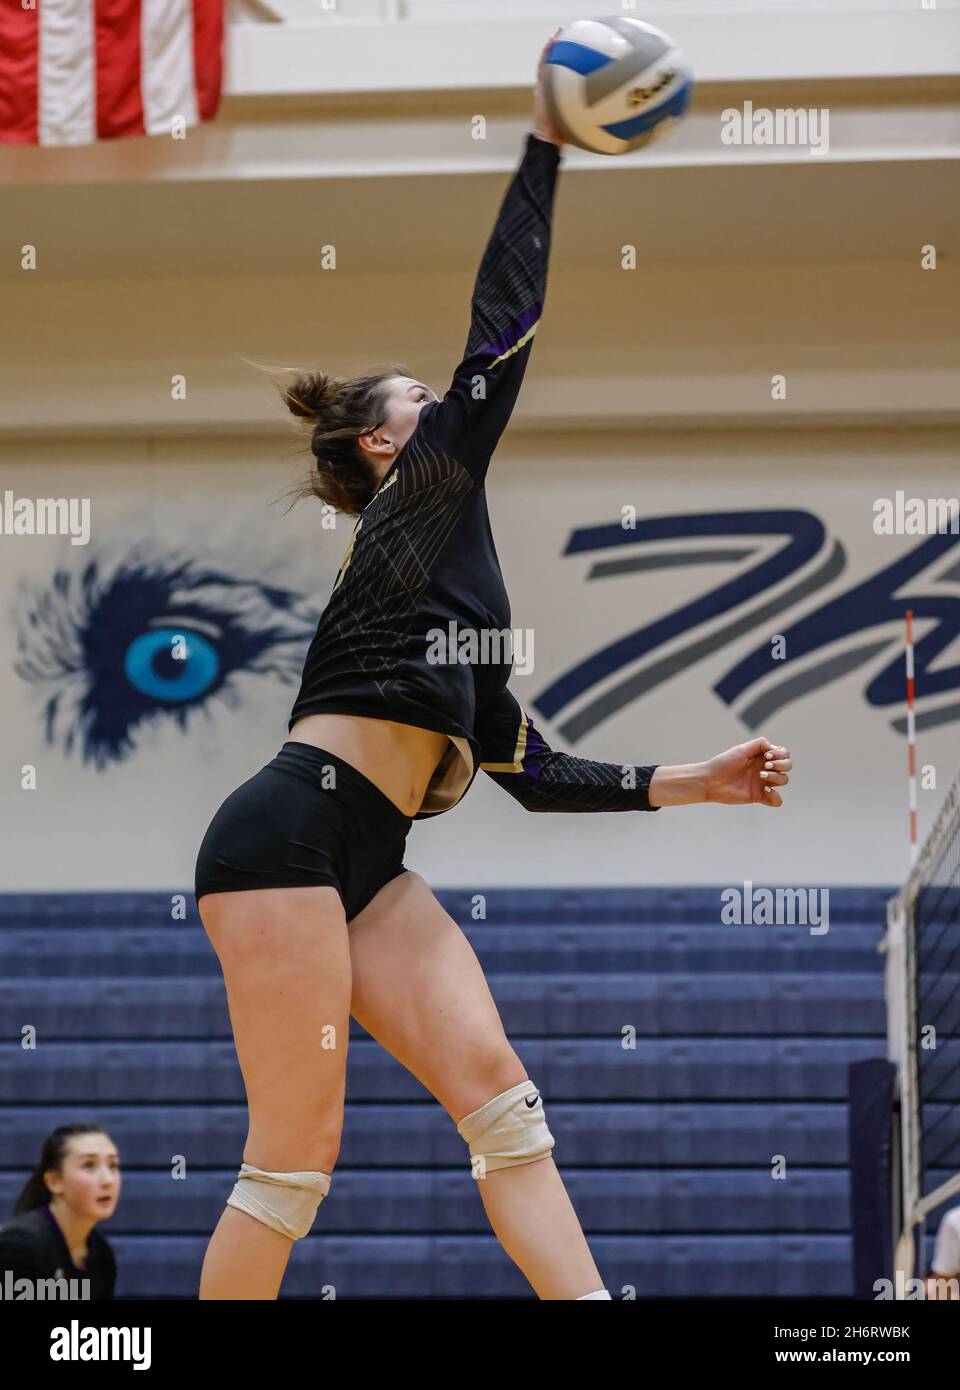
[{"x": 506, "y": 307}]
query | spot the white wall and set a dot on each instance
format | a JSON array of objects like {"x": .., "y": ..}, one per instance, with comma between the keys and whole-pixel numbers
[{"x": 136, "y": 821}]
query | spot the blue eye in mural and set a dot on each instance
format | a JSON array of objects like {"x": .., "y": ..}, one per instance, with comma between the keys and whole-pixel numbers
[
  {"x": 172, "y": 665},
  {"x": 140, "y": 638}
]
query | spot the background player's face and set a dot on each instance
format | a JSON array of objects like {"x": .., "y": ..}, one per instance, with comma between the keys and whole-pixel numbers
[
  {"x": 405, "y": 399},
  {"x": 89, "y": 1180}
]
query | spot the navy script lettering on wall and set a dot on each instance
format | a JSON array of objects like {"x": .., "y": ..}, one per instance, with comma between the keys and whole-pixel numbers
[
  {"x": 134, "y": 636},
  {"x": 781, "y": 559}
]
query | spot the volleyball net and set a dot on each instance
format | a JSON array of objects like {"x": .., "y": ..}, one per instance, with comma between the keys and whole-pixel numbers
[{"x": 923, "y": 1012}]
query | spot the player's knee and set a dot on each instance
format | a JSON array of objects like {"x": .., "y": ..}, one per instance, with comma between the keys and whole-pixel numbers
[
  {"x": 295, "y": 1137},
  {"x": 491, "y": 1068},
  {"x": 507, "y": 1131},
  {"x": 287, "y": 1202}
]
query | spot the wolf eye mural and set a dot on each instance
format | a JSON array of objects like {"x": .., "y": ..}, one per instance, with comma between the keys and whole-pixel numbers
[
  {"x": 142, "y": 637},
  {"x": 145, "y": 634}
]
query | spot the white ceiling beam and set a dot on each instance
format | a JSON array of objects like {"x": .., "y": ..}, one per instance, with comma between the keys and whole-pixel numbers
[{"x": 403, "y": 56}]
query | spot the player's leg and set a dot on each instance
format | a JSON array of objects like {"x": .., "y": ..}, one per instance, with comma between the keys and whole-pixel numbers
[
  {"x": 418, "y": 988},
  {"x": 286, "y": 965}
]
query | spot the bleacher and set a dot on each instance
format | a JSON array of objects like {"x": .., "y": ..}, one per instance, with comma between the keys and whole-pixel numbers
[{"x": 667, "y": 1136}]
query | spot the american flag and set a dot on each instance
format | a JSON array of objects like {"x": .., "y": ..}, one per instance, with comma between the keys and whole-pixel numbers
[{"x": 76, "y": 71}]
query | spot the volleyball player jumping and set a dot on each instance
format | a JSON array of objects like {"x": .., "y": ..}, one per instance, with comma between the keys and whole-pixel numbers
[{"x": 300, "y": 880}]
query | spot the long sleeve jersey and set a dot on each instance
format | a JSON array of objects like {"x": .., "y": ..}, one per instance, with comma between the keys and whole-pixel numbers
[{"x": 417, "y": 628}]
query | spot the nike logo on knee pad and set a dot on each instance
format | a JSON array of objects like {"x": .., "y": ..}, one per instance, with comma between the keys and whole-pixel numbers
[{"x": 502, "y": 1133}]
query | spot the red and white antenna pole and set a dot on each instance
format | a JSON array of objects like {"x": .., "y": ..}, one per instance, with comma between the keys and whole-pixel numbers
[{"x": 911, "y": 741}]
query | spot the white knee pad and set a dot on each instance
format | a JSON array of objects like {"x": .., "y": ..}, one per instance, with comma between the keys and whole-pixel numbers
[
  {"x": 286, "y": 1202},
  {"x": 508, "y": 1130}
]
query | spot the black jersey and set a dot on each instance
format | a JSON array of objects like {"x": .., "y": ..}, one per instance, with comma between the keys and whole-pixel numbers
[
  {"x": 418, "y": 626},
  {"x": 32, "y": 1246}
]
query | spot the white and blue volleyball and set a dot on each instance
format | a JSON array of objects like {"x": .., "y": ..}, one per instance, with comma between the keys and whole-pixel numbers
[{"x": 615, "y": 84}]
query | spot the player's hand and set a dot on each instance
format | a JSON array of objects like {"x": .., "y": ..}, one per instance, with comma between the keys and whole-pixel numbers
[
  {"x": 749, "y": 772},
  {"x": 542, "y": 125}
]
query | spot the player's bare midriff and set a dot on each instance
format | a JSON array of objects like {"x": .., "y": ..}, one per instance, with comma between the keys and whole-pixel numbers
[{"x": 399, "y": 759}]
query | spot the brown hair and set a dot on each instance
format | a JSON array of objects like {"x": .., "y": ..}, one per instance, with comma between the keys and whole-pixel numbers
[
  {"x": 335, "y": 412},
  {"x": 35, "y": 1192}
]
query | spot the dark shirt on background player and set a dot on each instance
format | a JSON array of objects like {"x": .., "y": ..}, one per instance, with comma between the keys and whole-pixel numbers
[{"x": 32, "y": 1246}]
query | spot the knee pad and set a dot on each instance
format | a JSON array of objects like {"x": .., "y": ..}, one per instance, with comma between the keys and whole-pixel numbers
[
  {"x": 507, "y": 1131},
  {"x": 286, "y": 1202}
]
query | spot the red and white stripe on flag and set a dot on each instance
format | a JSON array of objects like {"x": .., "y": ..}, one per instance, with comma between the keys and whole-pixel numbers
[{"x": 76, "y": 71}]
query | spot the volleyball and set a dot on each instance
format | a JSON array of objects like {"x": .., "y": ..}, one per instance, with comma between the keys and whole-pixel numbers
[{"x": 615, "y": 84}]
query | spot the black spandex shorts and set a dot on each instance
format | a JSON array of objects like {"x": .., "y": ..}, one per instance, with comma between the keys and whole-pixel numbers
[{"x": 288, "y": 827}]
